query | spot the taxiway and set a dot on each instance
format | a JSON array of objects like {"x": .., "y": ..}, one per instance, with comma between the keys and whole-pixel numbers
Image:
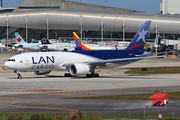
[{"x": 51, "y": 93}]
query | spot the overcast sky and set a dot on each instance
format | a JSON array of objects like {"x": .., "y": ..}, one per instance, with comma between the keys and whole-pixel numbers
[{"x": 149, "y": 6}]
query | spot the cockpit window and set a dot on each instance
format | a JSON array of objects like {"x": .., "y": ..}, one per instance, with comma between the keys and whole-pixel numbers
[{"x": 13, "y": 60}]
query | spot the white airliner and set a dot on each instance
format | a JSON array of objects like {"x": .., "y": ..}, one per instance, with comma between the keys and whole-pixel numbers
[
  {"x": 22, "y": 44},
  {"x": 57, "y": 47},
  {"x": 80, "y": 62},
  {"x": 47, "y": 46}
]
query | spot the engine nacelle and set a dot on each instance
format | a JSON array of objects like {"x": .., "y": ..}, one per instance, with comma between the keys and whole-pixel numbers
[
  {"x": 20, "y": 46},
  {"x": 41, "y": 72},
  {"x": 78, "y": 69},
  {"x": 44, "y": 48}
]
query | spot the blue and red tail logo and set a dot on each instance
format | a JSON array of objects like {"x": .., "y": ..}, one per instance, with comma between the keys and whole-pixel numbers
[{"x": 139, "y": 40}]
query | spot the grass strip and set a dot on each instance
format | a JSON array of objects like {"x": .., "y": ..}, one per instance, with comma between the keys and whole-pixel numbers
[
  {"x": 172, "y": 96},
  {"x": 86, "y": 116},
  {"x": 154, "y": 70}
]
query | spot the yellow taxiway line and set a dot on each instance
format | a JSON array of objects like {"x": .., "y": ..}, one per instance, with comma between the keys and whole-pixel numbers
[
  {"x": 11, "y": 98},
  {"x": 61, "y": 94},
  {"x": 39, "y": 107}
]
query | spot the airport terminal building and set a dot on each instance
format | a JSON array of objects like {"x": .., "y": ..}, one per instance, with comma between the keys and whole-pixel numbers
[{"x": 58, "y": 18}]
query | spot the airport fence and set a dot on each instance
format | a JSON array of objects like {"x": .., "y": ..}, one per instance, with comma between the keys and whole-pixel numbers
[{"x": 146, "y": 114}]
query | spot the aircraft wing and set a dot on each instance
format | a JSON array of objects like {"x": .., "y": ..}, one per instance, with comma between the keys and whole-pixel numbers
[
  {"x": 150, "y": 54},
  {"x": 100, "y": 62}
]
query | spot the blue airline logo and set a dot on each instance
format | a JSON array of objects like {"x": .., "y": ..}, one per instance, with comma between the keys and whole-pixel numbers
[
  {"x": 43, "y": 60},
  {"x": 78, "y": 42}
]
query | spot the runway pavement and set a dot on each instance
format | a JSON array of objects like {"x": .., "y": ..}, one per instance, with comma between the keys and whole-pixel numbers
[{"x": 49, "y": 93}]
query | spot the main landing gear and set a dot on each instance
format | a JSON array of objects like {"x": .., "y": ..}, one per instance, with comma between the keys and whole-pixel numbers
[
  {"x": 67, "y": 75},
  {"x": 19, "y": 75},
  {"x": 92, "y": 75}
]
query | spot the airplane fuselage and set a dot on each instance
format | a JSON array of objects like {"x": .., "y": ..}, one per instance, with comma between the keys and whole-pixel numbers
[
  {"x": 44, "y": 61},
  {"x": 58, "y": 46},
  {"x": 29, "y": 46}
]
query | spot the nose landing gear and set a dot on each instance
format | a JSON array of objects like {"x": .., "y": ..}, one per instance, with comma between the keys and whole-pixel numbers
[{"x": 19, "y": 75}]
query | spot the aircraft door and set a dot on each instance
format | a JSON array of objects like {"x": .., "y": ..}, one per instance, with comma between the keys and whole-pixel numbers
[{"x": 26, "y": 61}]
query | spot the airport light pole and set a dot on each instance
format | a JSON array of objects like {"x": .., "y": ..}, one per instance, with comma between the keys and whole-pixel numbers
[
  {"x": 156, "y": 40},
  {"x": 26, "y": 28},
  {"x": 7, "y": 30},
  {"x": 111, "y": 38},
  {"x": 84, "y": 36},
  {"x": 123, "y": 28},
  {"x": 81, "y": 27},
  {"x": 47, "y": 26},
  {"x": 56, "y": 36},
  {"x": 102, "y": 28},
  {"x": 156, "y": 28}
]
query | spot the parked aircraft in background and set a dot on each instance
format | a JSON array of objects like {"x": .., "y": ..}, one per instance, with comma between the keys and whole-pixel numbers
[
  {"x": 47, "y": 46},
  {"x": 123, "y": 45},
  {"x": 2, "y": 46},
  {"x": 22, "y": 44},
  {"x": 80, "y": 62}
]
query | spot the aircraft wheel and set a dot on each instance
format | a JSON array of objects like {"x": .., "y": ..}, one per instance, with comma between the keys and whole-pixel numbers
[
  {"x": 88, "y": 75},
  {"x": 19, "y": 75},
  {"x": 67, "y": 75},
  {"x": 92, "y": 75},
  {"x": 96, "y": 75}
]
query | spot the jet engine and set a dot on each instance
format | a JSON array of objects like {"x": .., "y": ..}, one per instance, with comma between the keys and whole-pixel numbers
[
  {"x": 20, "y": 46},
  {"x": 44, "y": 48},
  {"x": 78, "y": 69},
  {"x": 41, "y": 72}
]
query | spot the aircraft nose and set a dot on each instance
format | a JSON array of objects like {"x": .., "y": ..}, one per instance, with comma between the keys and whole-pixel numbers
[
  {"x": 9, "y": 65},
  {"x": 6, "y": 64}
]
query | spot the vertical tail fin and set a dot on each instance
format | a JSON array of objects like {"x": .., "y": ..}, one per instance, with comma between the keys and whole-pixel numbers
[
  {"x": 79, "y": 42},
  {"x": 19, "y": 39},
  {"x": 139, "y": 40},
  {"x": 43, "y": 39}
]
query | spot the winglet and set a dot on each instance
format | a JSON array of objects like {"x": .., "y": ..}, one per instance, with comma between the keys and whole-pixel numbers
[
  {"x": 79, "y": 43},
  {"x": 44, "y": 40},
  {"x": 139, "y": 40},
  {"x": 19, "y": 39}
]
